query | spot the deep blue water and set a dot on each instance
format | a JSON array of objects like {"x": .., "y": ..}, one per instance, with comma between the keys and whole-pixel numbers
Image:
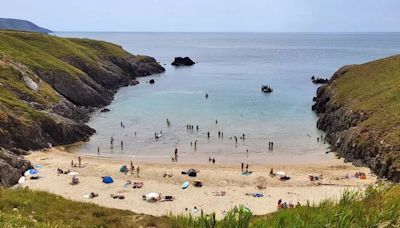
[{"x": 231, "y": 67}]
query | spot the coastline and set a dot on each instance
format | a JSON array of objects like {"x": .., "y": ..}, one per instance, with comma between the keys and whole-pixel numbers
[{"x": 216, "y": 178}]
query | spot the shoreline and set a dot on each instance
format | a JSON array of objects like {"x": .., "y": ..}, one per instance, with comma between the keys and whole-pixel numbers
[{"x": 216, "y": 178}]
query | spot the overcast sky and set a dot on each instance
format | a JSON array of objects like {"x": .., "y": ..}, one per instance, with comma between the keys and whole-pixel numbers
[{"x": 208, "y": 15}]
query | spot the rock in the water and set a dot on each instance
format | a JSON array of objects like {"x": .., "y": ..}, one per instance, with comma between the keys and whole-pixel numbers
[
  {"x": 317, "y": 80},
  {"x": 134, "y": 82},
  {"x": 105, "y": 110},
  {"x": 179, "y": 61},
  {"x": 151, "y": 81}
]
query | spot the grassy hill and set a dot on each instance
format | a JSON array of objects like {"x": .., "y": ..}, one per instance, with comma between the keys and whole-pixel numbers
[
  {"x": 377, "y": 207},
  {"x": 360, "y": 111}
]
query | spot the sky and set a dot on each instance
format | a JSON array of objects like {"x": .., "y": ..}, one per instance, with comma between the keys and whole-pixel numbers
[{"x": 208, "y": 15}]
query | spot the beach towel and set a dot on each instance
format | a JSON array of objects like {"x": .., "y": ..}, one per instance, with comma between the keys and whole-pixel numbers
[{"x": 107, "y": 180}]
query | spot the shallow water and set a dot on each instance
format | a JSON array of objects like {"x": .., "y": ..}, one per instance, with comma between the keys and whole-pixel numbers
[{"x": 231, "y": 68}]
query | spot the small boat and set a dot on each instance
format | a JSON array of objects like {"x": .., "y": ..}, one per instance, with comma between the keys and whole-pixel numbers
[{"x": 266, "y": 89}]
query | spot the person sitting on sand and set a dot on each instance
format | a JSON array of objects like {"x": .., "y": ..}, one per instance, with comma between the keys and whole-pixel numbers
[{"x": 75, "y": 180}]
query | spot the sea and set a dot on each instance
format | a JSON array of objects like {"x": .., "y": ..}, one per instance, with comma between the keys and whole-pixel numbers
[{"x": 230, "y": 68}]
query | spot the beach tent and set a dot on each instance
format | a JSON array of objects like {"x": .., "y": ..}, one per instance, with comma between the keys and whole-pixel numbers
[
  {"x": 152, "y": 197},
  {"x": 123, "y": 169},
  {"x": 107, "y": 180},
  {"x": 31, "y": 172},
  {"x": 192, "y": 173}
]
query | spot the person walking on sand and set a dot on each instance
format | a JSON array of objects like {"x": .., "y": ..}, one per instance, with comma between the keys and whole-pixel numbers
[
  {"x": 132, "y": 168},
  {"x": 72, "y": 164},
  {"x": 247, "y": 168},
  {"x": 80, "y": 161},
  {"x": 137, "y": 171}
]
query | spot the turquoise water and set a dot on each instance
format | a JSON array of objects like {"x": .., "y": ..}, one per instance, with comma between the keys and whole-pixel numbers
[{"x": 231, "y": 68}]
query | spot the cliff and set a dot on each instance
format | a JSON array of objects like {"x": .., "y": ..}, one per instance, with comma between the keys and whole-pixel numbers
[
  {"x": 21, "y": 25},
  {"x": 48, "y": 87},
  {"x": 359, "y": 110}
]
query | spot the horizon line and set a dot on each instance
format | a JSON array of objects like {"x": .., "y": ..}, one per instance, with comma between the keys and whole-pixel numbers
[{"x": 298, "y": 32}]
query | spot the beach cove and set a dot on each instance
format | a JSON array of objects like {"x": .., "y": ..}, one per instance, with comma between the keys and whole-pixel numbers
[{"x": 166, "y": 178}]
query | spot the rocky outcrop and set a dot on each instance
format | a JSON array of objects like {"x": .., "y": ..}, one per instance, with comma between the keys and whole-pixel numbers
[
  {"x": 346, "y": 129},
  {"x": 12, "y": 167},
  {"x": 179, "y": 61},
  {"x": 46, "y": 101}
]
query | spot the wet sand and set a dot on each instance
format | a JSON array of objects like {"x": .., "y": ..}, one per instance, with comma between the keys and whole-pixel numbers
[{"x": 216, "y": 178}]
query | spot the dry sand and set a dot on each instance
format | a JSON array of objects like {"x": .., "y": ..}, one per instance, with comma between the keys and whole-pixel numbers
[{"x": 216, "y": 178}]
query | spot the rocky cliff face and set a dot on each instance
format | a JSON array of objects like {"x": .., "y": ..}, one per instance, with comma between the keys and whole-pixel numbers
[
  {"x": 359, "y": 124},
  {"x": 49, "y": 86}
]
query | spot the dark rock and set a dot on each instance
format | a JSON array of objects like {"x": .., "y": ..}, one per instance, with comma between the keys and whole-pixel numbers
[
  {"x": 12, "y": 167},
  {"x": 179, "y": 61},
  {"x": 151, "y": 81},
  {"x": 105, "y": 110},
  {"x": 319, "y": 80}
]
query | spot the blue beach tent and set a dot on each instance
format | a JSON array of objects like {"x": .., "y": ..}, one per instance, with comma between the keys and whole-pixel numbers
[{"x": 107, "y": 180}]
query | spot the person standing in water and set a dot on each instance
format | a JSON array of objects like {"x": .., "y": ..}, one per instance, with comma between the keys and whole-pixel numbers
[
  {"x": 195, "y": 145},
  {"x": 98, "y": 150},
  {"x": 122, "y": 145},
  {"x": 197, "y": 127},
  {"x": 247, "y": 168},
  {"x": 208, "y": 135},
  {"x": 206, "y": 95},
  {"x": 176, "y": 154},
  {"x": 242, "y": 166},
  {"x": 213, "y": 160}
]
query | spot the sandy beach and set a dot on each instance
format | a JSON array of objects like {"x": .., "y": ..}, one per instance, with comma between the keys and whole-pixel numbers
[{"x": 216, "y": 178}]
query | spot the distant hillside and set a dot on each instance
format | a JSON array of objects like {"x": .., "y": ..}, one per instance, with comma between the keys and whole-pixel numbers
[
  {"x": 360, "y": 112},
  {"x": 21, "y": 25}
]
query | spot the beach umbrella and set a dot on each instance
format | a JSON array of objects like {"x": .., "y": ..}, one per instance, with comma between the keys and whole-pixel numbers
[
  {"x": 31, "y": 172},
  {"x": 152, "y": 196},
  {"x": 21, "y": 180},
  {"x": 281, "y": 173}
]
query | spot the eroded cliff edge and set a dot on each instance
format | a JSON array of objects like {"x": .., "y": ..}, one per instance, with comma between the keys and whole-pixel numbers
[
  {"x": 359, "y": 110},
  {"x": 49, "y": 86}
]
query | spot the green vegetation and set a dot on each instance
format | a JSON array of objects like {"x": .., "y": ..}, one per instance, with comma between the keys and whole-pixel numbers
[
  {"x": 373, "y": 88},
  {"x": 376, "y": 207},
  {"x": 25, "y": 208}
]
